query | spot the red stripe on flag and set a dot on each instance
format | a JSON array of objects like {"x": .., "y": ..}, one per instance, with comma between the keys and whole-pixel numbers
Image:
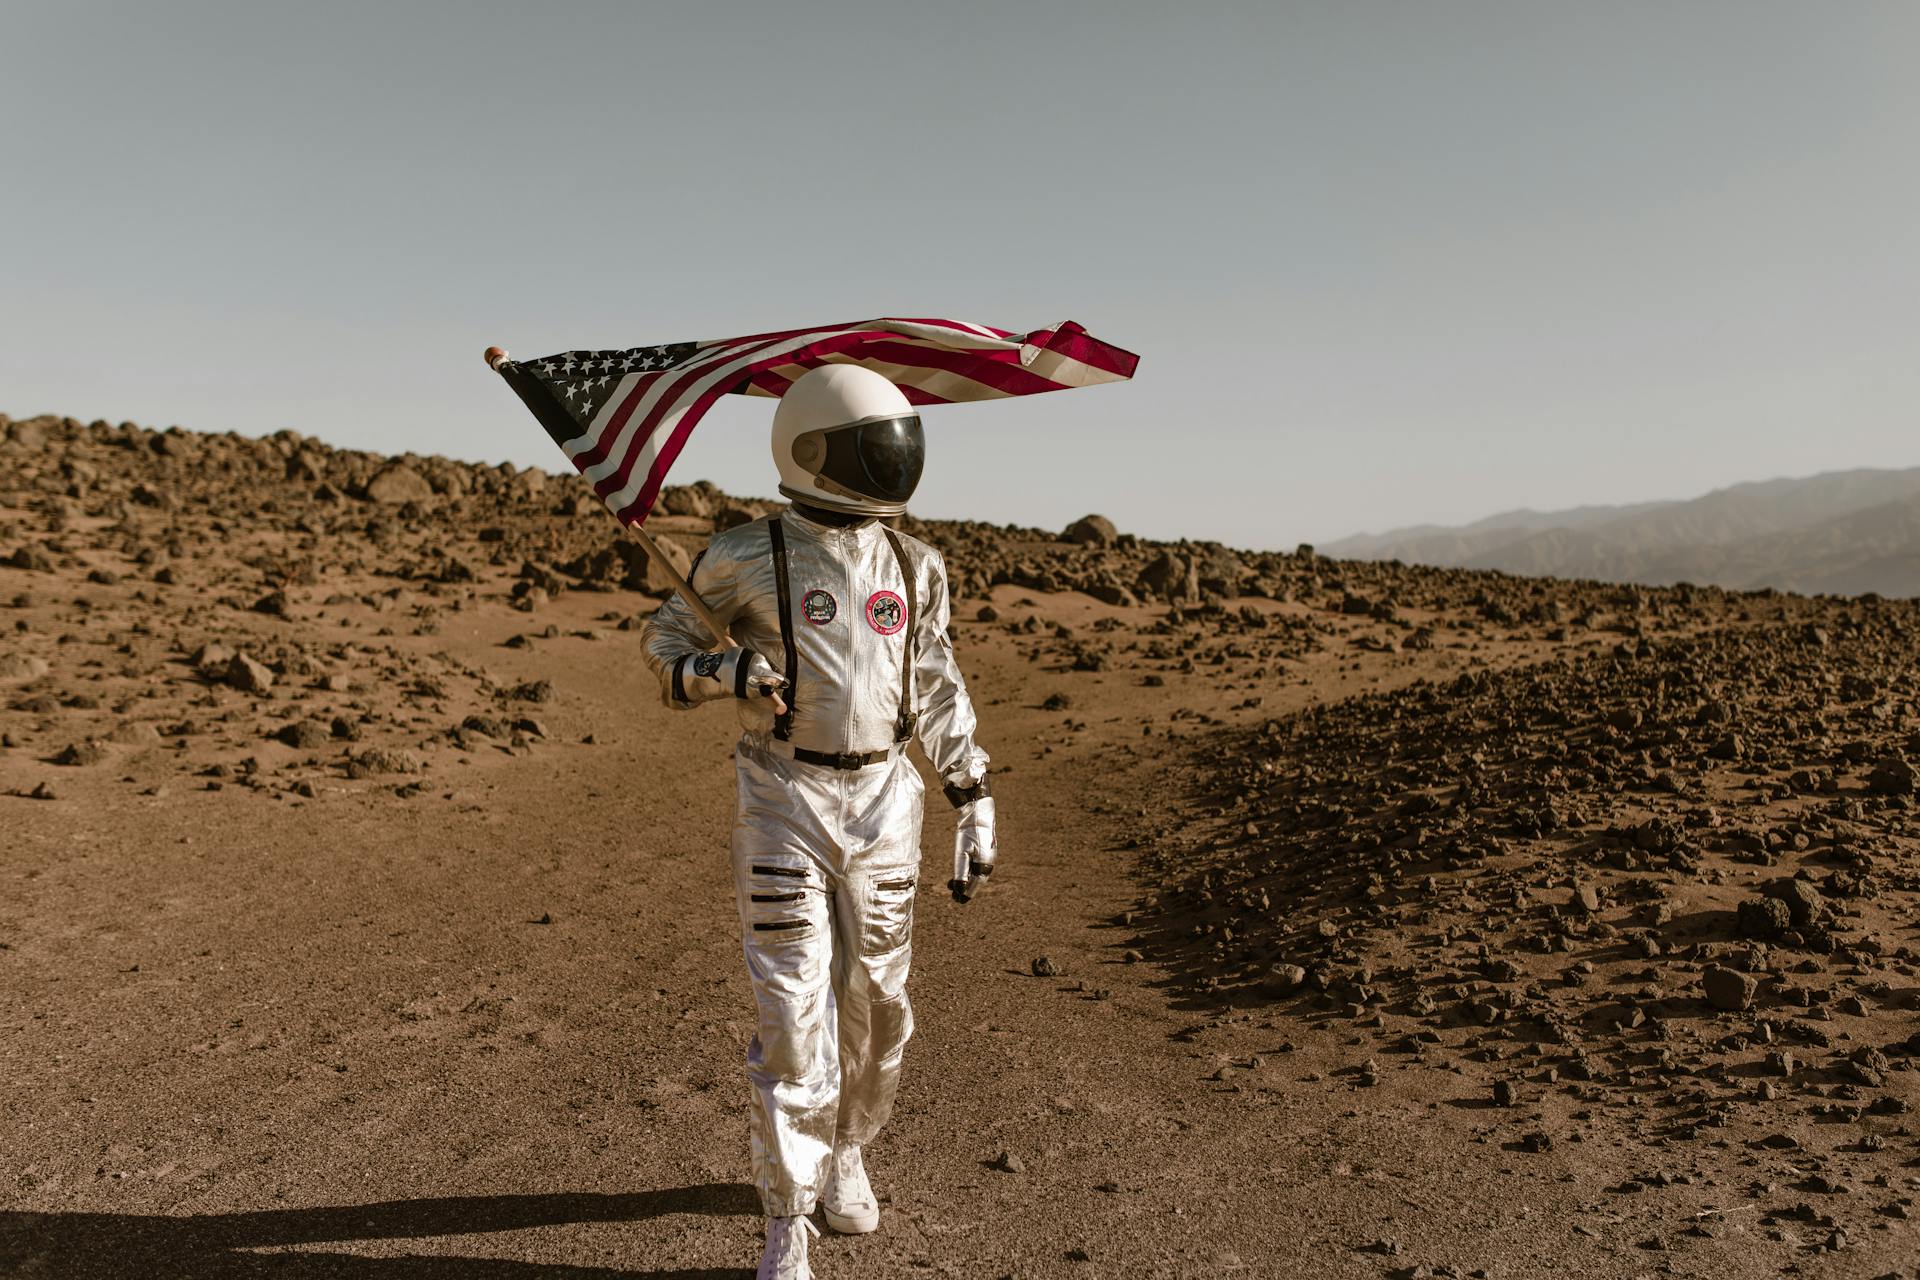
[
  {"x": 1000, "y": 370},
  {"x": 1075, "y": 343}
]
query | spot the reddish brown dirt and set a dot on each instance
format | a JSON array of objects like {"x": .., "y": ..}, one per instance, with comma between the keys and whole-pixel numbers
[{"x": 486, "y": 1019}]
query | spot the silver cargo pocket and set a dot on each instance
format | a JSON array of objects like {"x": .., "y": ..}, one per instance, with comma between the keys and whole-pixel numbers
[{"x": 888, "y": 924}]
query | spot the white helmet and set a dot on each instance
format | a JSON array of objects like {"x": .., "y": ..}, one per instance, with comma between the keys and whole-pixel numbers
[{"x": 846, "y": 439}]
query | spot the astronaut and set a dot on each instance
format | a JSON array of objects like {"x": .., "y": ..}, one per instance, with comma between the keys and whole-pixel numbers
[{"x": 843, "y": 659}]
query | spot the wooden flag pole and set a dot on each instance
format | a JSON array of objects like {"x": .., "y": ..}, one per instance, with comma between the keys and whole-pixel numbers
[
  {"x": 495, "y": 358},
  {"x": 680, "y": 584}
]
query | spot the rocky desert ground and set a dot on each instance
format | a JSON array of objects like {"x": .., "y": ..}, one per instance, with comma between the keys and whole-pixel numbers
[{"x": 365, "y": 914}]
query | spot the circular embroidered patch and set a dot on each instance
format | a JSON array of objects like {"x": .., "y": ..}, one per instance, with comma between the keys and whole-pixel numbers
[
  {"x": 818, "y": 607},
  {"x": 885, "y": 612}
]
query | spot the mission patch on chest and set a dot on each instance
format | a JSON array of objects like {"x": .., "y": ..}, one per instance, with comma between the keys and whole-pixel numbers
[
  {"x": 886, "y": 613},
  {"x": 818, "y": 607}
]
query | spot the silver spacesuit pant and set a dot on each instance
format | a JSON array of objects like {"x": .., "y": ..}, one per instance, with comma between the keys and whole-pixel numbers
[{"x": 824, "y": 865}]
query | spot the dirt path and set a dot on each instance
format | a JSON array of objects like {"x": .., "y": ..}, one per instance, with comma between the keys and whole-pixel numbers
[{"x": 494, "y": 1029}]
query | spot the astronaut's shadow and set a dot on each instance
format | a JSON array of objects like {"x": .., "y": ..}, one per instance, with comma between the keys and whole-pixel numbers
[{"x": 112, "y": 1246}]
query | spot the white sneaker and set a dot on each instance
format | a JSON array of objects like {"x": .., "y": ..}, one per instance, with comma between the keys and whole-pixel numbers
[
  {"x": 848, "y": 1203},
  {"x": 786, "y": 1255}
]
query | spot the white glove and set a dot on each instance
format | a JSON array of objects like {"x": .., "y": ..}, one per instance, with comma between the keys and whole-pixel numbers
[
  {"x": 725, "y": 673},
  {"x": 762, "y": 680},
  {"x": 975, "y": 848}
]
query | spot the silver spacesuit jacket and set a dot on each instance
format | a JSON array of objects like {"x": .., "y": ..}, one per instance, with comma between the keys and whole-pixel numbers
[{"x": 848, "y": 601}]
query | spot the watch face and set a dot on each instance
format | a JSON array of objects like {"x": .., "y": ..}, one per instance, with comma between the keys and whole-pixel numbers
[
  {"x": 819, "y": 607},
  {"x": 708, "y": 664},
  {"x": 886, "y": 612}
]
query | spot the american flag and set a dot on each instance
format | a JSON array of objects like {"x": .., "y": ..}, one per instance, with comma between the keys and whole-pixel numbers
[{"x": 622, "y": 417}]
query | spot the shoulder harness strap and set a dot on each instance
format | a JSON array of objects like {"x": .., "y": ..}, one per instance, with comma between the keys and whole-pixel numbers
[
  {"x": 783, "y": 723},
  {"x": 903, "y": 729}
]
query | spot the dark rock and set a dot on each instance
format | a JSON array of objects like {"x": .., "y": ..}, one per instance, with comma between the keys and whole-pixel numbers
[
  {"x": 732, "y": 516},
  {"x": 1112, "y": 593},
  {"x": 397, "y": 483},
  {"x": 685, "y": 500},
  {"x": 81, "y": 754},
  {"x": 1763, "y": 917},
  {"x": 1893, "y": 776},
  {"x": 1091, "y": 531},
  {"x": 211, "y": 659},
  {"x": 1729, "y": 989},
  {"x": 490, "y": 726},
  {"x": 244, "y": 673},
  {"x": 1284, "y": 980},
  {"x": 377, "y": 760},
  {"x": 1170, "y": 578},
  {"x": 32, "y": 559},
  {"x": 649, "y": 575},
  {"x": 1804, "y": 902},
  {"x": 308, "y": 735},
  {"x": 1868, "y": 1065}
]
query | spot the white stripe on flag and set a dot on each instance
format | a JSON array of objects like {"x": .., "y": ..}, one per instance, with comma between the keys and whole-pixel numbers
[
  {"x": 934, "y": 335},
  {"x": 1067, "y": 371}
]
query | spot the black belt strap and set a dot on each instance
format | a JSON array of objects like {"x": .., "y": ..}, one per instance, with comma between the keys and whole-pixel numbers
[
  {"x": 839, "y": 759},
  {"x": 783, "y": 723},
  {"x": 903, "y": 727}
]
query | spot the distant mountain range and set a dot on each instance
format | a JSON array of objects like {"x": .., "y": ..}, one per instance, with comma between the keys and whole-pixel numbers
[{"x": 1843, "y": 532}]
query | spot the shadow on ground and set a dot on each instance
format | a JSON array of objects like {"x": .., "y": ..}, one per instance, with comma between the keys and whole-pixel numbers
[{"x": 109, "y": 1246}]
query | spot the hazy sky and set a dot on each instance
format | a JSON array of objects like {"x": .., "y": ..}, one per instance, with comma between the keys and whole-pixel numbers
[{"x": 1384, "y": 263}]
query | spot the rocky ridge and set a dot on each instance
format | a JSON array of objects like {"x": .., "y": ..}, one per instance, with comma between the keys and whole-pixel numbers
[
  {"x": 1664, "y": 891},
  {"x": 237, "y": 597}
]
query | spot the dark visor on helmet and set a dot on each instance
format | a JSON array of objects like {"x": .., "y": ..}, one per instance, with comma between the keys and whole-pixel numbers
[{"x": 879, "y": 459}]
